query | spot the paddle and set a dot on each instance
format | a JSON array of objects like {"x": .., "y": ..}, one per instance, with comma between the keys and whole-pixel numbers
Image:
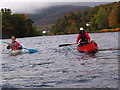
[
  {"x": 67, "y": 44},
  {"x": 30, "y": 50}
]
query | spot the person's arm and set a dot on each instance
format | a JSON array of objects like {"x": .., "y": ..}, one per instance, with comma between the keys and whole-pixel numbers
[
  {"x": 88, "y": 37},
  {"x": 20, "y": 46},
  {"x": 78, "y": 38}
]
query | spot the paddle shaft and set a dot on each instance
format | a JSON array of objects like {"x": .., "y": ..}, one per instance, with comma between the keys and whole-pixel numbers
[
  {"x": 67, "y": 44},
  {"x": 70, "y": 44}
]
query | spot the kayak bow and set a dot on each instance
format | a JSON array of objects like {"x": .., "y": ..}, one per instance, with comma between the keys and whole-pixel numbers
[{"x": 91, "y": 47}]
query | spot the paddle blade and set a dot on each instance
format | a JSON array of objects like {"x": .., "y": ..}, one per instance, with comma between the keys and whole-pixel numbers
[
  {"x": 64, "y": 45},
  {"x": 32, "y": 50}
]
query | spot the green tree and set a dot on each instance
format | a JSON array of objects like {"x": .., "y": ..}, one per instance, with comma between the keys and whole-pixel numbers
[
  {"x": 16, "y": 24},
  {"x": 102, "y": 18},
  {"x": 20, "y": 24},
  {"x": 93, "y": 25}
]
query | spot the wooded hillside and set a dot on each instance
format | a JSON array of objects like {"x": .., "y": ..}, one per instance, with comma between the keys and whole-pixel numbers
[
  {"x": 99, "y": 17},
  {"x": 17, "y": 24}
]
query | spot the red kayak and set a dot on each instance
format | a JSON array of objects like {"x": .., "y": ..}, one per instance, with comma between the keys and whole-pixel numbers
[{"x": 90, "y": 47}]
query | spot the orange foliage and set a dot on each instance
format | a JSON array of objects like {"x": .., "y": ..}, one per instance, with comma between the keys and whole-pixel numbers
[
  {"x": 116, "y": 29},
  {"x": 108, "y": 30},
  {"x": 113, "y": 18},
  {"x": 103, "y": 30}
]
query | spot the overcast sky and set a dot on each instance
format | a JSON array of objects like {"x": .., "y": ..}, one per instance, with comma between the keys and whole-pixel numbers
[{"x": 30, "y": 6}]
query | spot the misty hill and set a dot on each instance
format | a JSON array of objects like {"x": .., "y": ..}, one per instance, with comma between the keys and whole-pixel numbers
[
  {"x": 104, "y": 17},
  {"x": 52, "y": 14}
]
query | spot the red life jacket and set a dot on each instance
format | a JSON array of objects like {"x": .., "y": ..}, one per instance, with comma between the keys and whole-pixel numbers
[
  {"x": 84, "y": 37},
  {"x": 14, "y": 45}
]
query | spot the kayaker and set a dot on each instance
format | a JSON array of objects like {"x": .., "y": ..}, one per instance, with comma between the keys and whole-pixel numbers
[
  {"x": 14, "y": 45},
  {"x": 83, "y": 38}
]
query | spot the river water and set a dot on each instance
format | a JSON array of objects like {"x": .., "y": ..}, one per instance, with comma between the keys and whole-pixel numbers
[{"x": 62, "y": 67}]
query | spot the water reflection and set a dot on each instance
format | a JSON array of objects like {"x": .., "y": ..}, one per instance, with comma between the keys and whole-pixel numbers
[
  {"x": 87, "y": 58},
  {"x": 88, "y": 55}
]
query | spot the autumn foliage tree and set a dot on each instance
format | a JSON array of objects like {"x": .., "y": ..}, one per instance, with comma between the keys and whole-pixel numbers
[
  {"x": 113, "y": 16},
  {"x": 100, "y": 17},
  {"x": 68, "y": 24}
]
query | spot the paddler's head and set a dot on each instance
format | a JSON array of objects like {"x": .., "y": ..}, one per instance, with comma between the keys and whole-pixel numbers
[
  {"x": 81, "y": 31},
  {"x": 13, "y": 38}
]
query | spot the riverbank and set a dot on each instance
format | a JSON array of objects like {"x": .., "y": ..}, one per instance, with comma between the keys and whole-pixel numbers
[
  {"x": 110, "y": 30},
  {"x": 98, "y": 31}
]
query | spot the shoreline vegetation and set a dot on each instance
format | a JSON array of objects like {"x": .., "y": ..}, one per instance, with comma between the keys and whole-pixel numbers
[
  {"x": 98, "y": 19},
  {"x": 100, "y": 31},
  {"x": 110, "y": 30}
]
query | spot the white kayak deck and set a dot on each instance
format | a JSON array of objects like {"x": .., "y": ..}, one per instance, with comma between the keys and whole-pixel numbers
[{"x": 15, "y": 52}]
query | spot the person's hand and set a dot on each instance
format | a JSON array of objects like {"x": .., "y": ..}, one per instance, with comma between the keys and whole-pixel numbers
[
  {"x": 20, "y": 47},
  {"x": 8, "y": 47},
  {"x": 88, "y": 41}
]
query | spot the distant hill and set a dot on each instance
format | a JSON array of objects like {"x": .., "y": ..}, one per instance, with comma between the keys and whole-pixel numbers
[
  {"x": 52, "y": 14},
  {"x": 104, "y": 16}
]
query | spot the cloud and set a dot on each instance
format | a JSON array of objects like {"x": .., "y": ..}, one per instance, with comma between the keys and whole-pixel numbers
[
  {"x": 58, "y": 0},
  {"x": 30, "y": 6},
  {"x": 24, "y": 7}
]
